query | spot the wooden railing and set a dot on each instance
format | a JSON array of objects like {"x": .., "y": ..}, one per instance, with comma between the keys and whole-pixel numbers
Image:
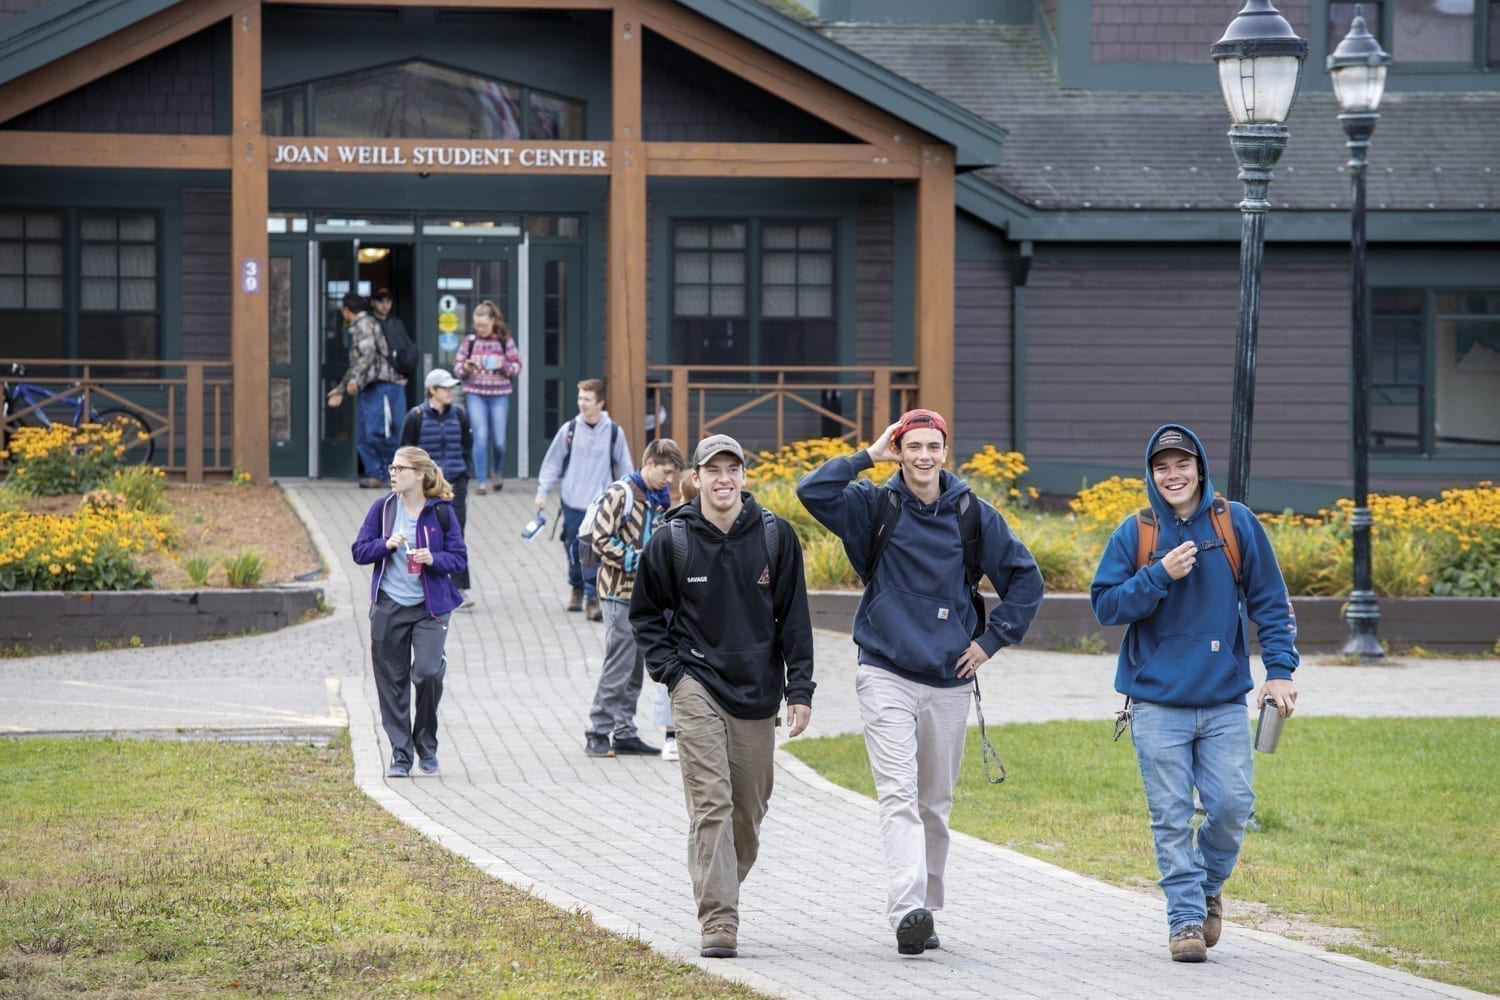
[
  {"x": 185, "y": 405},
  {"x": 765, "y": 408}
]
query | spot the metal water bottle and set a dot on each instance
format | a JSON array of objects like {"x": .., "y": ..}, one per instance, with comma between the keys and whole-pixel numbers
[
  {"x": 1268, "y": 730},
  {"x": 533, "y": 527}
]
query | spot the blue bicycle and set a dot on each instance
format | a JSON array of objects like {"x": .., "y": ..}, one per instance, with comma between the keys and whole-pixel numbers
[{"x": 31, "y": 402}]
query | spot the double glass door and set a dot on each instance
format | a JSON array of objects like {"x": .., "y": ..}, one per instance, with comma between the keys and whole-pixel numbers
[{"x": 436, "y": 286}]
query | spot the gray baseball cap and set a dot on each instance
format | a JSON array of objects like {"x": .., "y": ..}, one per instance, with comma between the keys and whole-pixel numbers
[{"x": 711, "y": 446}]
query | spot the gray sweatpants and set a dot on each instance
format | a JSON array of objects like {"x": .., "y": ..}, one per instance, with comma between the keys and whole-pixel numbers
[
  {"x": 406, "y": 645},
  {"x": 619, "y": 689}
]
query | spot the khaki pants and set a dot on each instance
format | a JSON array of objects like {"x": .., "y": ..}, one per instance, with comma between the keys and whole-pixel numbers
[{"x": 727, "y": 773}]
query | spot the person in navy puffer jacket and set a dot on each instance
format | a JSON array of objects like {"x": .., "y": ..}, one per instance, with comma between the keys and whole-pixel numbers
[
  {"x": 441, "y": 428},
  {"x": 1184, "y": 665},
  {"x": 415, "y": 544}
]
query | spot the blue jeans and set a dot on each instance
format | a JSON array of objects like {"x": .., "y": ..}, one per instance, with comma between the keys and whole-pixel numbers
[
  {"x": 1179, "y": 748},
  {"x": 489, "y": 416},
  {"x": 378, "y": 436},
  {"x": 579, "y": 578}
]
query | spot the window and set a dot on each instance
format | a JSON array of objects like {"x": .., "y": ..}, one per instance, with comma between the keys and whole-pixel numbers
[
  {"x": 117, "y": 287},
  {"x": 1460, "y": 33},
  {"x": 419, "y": 100},
  {"x": 32, "y": 320},
  {"x": 753, "y": 293},
  {"x": 1434, "y": 370}
]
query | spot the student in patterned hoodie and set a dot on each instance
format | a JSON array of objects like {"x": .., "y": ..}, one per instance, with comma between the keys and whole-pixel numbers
[{"x": 623, "y": 522}]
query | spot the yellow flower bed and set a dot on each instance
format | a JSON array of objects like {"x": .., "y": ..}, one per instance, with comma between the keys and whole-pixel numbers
[{"x": 94, "y": 549}]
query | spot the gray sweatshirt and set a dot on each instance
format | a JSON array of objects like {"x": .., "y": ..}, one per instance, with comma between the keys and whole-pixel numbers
[{"x": 589, "y": 468}]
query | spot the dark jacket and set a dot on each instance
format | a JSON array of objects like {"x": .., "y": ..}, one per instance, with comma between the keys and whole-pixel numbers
[
  {"x": 1187, "y": 643},
  {"x": 915, "y": 618},
  {"x": 742, "y": 631},
  {"x": 449, "y": 554},
  {"x": 446, "y": 437}
]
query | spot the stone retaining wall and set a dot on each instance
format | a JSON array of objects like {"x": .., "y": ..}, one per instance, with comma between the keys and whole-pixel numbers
[{"x": 58, "y": 620}]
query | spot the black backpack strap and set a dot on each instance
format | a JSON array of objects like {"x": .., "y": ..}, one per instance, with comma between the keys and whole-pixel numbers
[
  {"x": 679, "y": 547},
  {"x": 969, "y": 531},
  {"x": 887, "y": 513},
  {"x": 567, "y": 456},
  {"x": 773, "y": 540},
  {"x": 614, "y": 437},
  {"x": 445, "y": 516}
]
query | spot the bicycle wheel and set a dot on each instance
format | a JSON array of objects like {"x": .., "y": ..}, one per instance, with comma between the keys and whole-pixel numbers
[{"x": 135, "y": 434}]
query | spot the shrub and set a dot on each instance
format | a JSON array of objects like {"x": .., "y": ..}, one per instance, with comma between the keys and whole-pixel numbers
[
  {"x": 996, "y": 476},
  {"x": 51, "y": 461},
  {"x": 95, "y": 549},
  {"x": 144, "y": 486},
  {"x": 1104, "y": 505}
]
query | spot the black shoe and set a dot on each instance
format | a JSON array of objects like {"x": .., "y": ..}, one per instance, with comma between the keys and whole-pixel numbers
[
  {"x": 634, "y": 746},
  {"x": 595, "y": 745},
  {"x": 913, "y": 931},
  {"x": 933, "y": 944}
]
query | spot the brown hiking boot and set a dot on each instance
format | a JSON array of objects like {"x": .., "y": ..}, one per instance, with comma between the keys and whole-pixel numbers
[
  {"x": 575, "y": 600},
  {"x": 1187, "y": 944},
  {"x": 1213, "y": 924},
  {"x": 591, "y": 608},
  {"x": 721, "y": 941}
]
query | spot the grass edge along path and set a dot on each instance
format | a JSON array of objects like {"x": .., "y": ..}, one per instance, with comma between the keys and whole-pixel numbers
[
  {"x": 1383, "y": 826},
  {"x": 198, "y": 868}
]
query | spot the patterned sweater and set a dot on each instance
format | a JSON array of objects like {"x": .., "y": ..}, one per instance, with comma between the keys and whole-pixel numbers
[
  {"x": 498, "y": 365},
  {"x": 622, "y": 524}
]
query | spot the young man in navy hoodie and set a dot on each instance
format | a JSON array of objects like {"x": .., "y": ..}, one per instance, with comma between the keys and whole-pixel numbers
[
  {"x": 1185, "y": 666},
  {"x": 915, "y": 628}
]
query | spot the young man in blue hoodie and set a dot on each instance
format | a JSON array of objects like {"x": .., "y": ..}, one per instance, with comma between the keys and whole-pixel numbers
[
  {"x": 1185, "y": 667},
  {"x": 918, "y": 651}
]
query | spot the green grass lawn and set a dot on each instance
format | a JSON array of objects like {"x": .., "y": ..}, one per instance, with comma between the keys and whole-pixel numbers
[
  {"x": 134, "y": 868},
  {"x": 1388, "y": 826}
]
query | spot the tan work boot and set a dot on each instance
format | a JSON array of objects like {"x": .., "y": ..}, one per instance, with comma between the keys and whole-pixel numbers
[
  {"x": 591, "y": 607},
  {"x": 575, "y": 600},
  {"x": 1187, "y": 944},
  {"x": 721, "y": 941},
  {"x": 1213, "y": 924}
]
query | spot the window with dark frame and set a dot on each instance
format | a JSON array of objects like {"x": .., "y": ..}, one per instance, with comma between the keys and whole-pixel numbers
[
  {"x": 33, "y": 316},
  {"x": 1426, "y": 32},
  {"x": 710, "y": 297},
  {"x": 118, "y": 314}
]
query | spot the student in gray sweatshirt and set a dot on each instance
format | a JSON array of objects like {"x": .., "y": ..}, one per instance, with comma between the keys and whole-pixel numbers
[{"x": 587, "y": 454}]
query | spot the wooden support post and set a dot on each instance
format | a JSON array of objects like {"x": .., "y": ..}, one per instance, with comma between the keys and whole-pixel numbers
[
  {"x": 249, "y": 323},
  {"x": 625, "y": 335},
  {"x": 934, "y": 263}
]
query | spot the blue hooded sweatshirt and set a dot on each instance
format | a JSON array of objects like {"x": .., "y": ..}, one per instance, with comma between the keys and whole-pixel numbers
[
  {"x": 915, "y": 618},
  {"x": 1187, "y": 643}
]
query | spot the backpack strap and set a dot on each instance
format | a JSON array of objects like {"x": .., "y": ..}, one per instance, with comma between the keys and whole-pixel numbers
[
  {"x": 614, "y": 438},
  {"x": 882, "y": 525},
  {"x": 1224, "y": 527},
  {"x": 770, "y": 527},
  {"x": 1145, "y": 537},
  {"x": 679, "y": 546},
  {"x": 567, "y": 455},
  {"x": 888, "y": 512},
  {"x": 969, "y": 530},
  {"x": 772, "y": 531},
  {"x": 445, "y": 516}
]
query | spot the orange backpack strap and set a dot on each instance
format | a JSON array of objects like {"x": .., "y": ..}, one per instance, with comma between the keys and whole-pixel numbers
[
  {"x": 1145, "y": 536},
  {"x": 1224, "y": 528}
]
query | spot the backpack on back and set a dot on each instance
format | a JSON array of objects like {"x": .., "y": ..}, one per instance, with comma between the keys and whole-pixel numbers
[
  {"x": 888, "y": 512},
  {"x": 587, "y": 557},
  {"x": 614, "y": 436},
  {"x": 1147, "y": 532},
  {"x": 769, "y": 525},
  {"x": 444, "y": 513},
  {"x": 400, "y": 351}
]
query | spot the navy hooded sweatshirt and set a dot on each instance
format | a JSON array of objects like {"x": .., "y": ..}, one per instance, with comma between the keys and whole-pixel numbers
[{"x": 1187, "y": 643}]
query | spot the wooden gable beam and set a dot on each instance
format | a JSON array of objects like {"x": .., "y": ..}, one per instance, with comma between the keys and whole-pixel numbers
[
  {"x": 788, "y": 159},
  {"x": 935, "y": 225},
  {"x": 792, "y": 84},
  {"x": 101, "y": 58},
  {"x": 114, "y": 150}
]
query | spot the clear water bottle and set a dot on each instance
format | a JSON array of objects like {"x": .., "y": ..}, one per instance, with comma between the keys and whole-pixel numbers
[{"x": 533, "y": 527}]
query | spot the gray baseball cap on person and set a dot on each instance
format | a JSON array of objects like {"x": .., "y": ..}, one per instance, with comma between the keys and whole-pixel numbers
[
  {"x": 440, "y": 378},
  {"x": 711, "y": 446},
  {"x": 1172, "y": 439}
]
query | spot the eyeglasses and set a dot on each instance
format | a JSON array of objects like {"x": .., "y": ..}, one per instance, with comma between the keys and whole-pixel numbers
[{"x": 400, "y": 468}]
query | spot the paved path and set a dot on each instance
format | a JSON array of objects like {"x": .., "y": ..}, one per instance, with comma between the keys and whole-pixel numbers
[{"x": 517, "y": 797}]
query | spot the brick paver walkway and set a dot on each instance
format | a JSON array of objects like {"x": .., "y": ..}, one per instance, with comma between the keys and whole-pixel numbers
[{"x": 518, "y": 797}]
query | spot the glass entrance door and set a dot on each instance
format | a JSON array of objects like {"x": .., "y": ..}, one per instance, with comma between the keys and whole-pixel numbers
[
  {"x": 556, "y": 354},
  {"x": 455, "y": 278},
  {"x": 337, "y": 272},
  {"x": 287, "y": 408}
]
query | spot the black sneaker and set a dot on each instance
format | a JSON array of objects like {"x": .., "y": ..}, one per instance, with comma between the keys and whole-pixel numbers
[
  {"x": 913, "y": 931},
  {"x": 635, "y": 746},
  {"x": 595, "y": 745}
]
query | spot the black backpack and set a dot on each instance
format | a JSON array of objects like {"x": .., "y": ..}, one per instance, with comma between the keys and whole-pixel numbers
[
  {"x": 768, "y": 523},
  {"x": 614, "y": 436},
  {"x": 400, "y": 351}
]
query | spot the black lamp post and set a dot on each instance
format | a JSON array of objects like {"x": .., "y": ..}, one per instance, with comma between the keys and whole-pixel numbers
[
  {"x": 1358, "y": 68},
  {"x": 1260, "y": 64}
]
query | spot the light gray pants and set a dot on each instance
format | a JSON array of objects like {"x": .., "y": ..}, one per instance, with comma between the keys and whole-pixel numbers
[
  {"x": 914, "y": 734},
  {"x": 619, "y": 687},
  {"x": 727, "y": 774},
  {"x": 406, "y": 645}
]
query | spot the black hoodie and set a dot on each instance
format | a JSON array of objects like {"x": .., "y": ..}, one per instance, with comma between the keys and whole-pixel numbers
[{"x": 742, "y": 631}]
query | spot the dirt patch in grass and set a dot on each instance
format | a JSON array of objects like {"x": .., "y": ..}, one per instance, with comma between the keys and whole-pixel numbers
[{"x": 217, "y": 521}]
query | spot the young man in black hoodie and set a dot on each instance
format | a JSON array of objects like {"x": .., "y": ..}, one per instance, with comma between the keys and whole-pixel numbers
[{"x": 739, "y": 638}]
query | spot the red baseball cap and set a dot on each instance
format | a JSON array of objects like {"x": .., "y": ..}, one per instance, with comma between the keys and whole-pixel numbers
[{"x": 914, "y": 419}]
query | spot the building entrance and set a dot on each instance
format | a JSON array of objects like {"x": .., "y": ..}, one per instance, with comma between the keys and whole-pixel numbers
[{"x": 436, "y": 279}]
